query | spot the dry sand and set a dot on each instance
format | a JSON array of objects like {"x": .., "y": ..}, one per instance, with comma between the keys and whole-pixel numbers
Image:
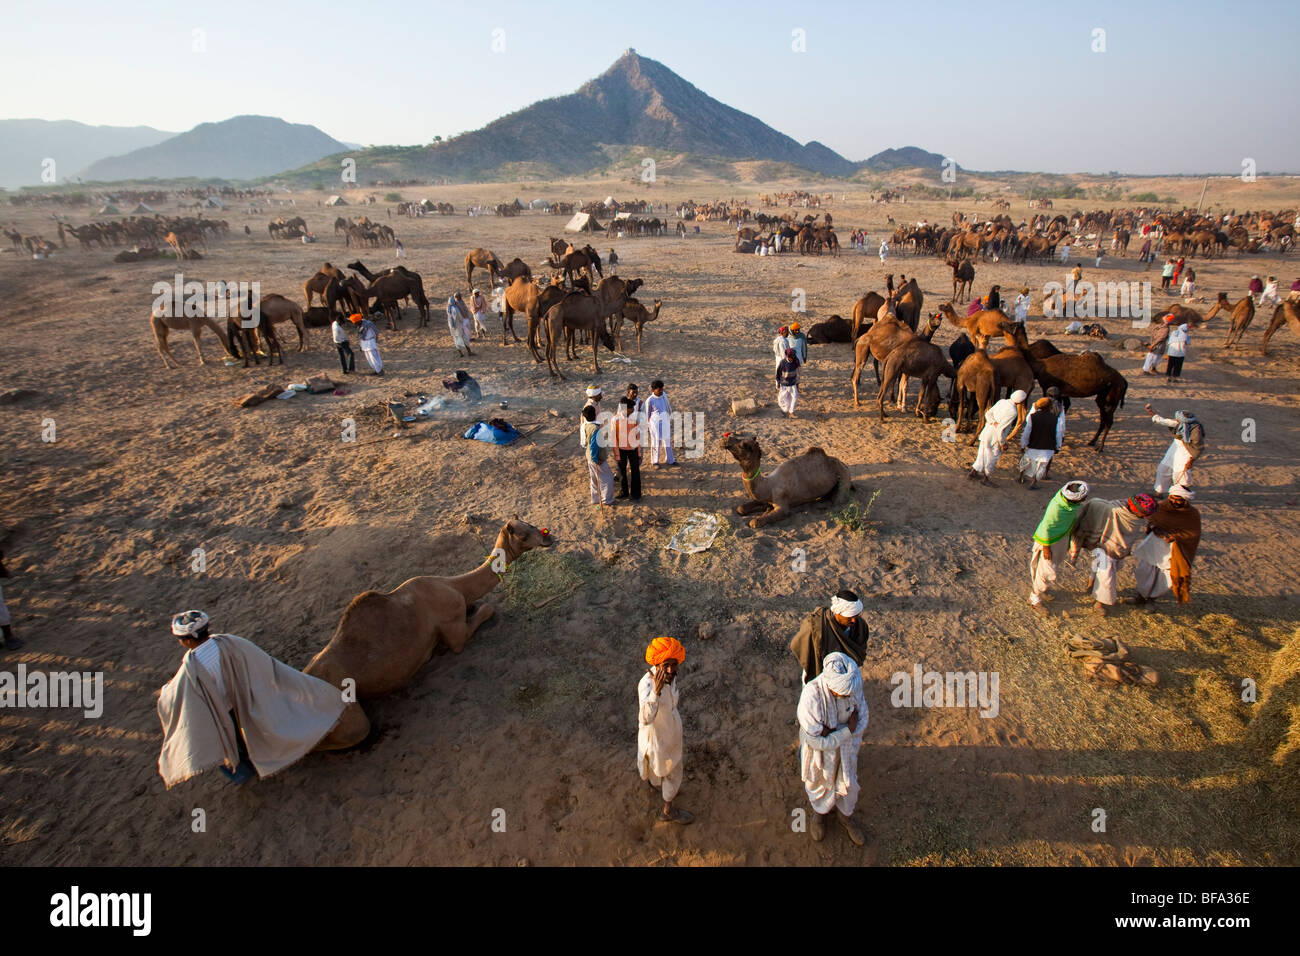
[{"x": 537, "y": 716}]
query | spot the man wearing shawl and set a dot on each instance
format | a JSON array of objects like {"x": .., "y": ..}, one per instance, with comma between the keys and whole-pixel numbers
[
  {"x": 832, "y": 719},
  {"x": 1040, "y": 440},
  {"x": 840, "y": 627},
  {"x": 233, "y": 706},
  {"x": 998, "y": 423},
  {"x": 1110, "y": 530},
  {"x": 1159, "y": 341},
  {"x": 1188, "y": 444},
  {"x": 787, "y": 383},
  {"x": 1165, "y": 555},
  {"x": 659, "y": 725},
  {"x": 781, "y": 344},
  {"x": 1051, "y": 540}
]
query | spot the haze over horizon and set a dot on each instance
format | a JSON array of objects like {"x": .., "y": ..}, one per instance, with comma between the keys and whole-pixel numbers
[{"x": 1016, "y": 86}]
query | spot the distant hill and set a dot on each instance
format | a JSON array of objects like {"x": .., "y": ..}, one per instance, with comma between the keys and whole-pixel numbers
[
  {"x": 73, "y": 146},
  {"x": 243, "y": 147},
  {"x": 637, "y": 106},
  {"x": 906, "y": 157}
]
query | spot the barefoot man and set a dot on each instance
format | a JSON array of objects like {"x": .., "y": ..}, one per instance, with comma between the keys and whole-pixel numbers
[
  {"x": 1109, "y": 530},
  {"x": 659, "y": 734},
  {"x": 998, "y": 423},
  {"x": 832, "y": 719},
  {"x": 1052, "y": 540}
]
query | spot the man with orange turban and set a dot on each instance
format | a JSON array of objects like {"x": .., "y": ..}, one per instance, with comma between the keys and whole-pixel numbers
[{"x": 659, "y": 733}]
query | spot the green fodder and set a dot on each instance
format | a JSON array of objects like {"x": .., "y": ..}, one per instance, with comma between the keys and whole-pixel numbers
[
  {"x": 853, "y": 516},
  {"x": 539, "y": 576}
]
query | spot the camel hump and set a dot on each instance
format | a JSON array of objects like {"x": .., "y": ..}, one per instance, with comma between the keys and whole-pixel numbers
[{"x": 815, "y": 450}]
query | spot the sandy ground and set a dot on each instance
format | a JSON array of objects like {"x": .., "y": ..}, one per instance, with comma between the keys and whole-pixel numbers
[{"x": 537, "y": 716}]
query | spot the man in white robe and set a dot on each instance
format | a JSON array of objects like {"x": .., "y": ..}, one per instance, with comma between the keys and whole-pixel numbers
[
  {"x": 781, "y": 344},
  {"x": 1188, "y": 443},
  {"x": 832, "y": 719},
  {"x": 998, "y": 424},
  {"x": 1108, "y": 530},
  {"x": 659, "y": 726}
]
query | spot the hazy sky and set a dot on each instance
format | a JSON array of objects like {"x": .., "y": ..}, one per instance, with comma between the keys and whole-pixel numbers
[{"x": 1180, "y": 87}]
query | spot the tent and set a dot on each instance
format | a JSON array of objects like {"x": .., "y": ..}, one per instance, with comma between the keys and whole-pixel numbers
[
  {"x": 609, "y": 202},
  {"x": 214, "y": 203},
  {"x": 335, "y": 201},
  {"x": 108, "y": 209},
  {"x": 539, "y": 204},
  {"x": 623, "y": 215},
  {"x": 427, "y": 204},
  {"x": 142, "y": 210},
  {"x": 582, "y": 222}
]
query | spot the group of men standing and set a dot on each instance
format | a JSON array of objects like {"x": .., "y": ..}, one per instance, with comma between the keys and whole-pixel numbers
[{"x": 636, "y": 424}]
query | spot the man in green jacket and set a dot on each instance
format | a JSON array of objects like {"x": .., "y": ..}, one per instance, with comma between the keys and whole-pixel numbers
[{"x": 1052, "y": 540}]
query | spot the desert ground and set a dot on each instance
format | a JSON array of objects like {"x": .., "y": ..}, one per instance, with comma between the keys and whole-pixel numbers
[{"x": 537, "y": 716}]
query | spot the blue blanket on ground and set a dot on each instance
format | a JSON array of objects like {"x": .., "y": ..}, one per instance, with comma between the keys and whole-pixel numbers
[{"x": 482, "y": 431}]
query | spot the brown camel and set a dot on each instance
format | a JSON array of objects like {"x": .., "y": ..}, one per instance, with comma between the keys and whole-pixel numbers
[
  {"x": 524, "y": 295},
  {"x": 915, "y": 358},
  {"x": 578, "y": 312},
  {"x": 811, "y": 476},
  {"x": 1287, "y": 313},
  {"x": 963, "y": 277},
  {"x": 980, "y": 326},
  {"x": 978, "y": 377},
  {"x": 1242, "y": 314},
  {"x": 636, "y": 313},
  {"x": 391, "y": 289},
  {"x": 1013, "y": 373},
  {"x": 383, "y": 640},
  {"x": 908, "y": 301},
  {"x": 865, "y": 311},
  {"x": 276, "y": 308},
  {"x": 882, "y": 338},
  {"x": 1085, "y": 375},
  {"x": 162, "y": 324},
  {"x": 484, "y": 259},
  {"x": 514, "y": 269},
  {"x": 245, "y": 338}
]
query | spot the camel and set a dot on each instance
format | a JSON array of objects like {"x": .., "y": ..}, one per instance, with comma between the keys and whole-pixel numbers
[
  {"x": 977, "y": 376},
  {"x": 277, "y": 308},
  {"x": 515, "y": 268},
  {"x": 908, "y": 301},
  {"x": 917, "y": 358},
  {"x": 524, "y": 295},
  {"x": 484, "y": 260},
  {"x": 577, "y": 260},
  {"x": 882, "y": 338},
  {"x": 383, "y": 639},
  {"x": 1242, "y": 314},
  {"x": 834, "y": 329},
  {"x": 865, "y": 310},
  {"x": 391, "y": 288},
  {"x": 1287, "y": 313},
  {"x": 811, "y": 476},
  {"x": 578, "y": 312},
  {"x": 162, "y": 324},
  {"x": 244, "y": 340},
  {"x": 636, "y": 313},
  {"x": 981, "y": 326},
  {"x": 963, "y": 277},
  {"x": 1085, "y": 375}
]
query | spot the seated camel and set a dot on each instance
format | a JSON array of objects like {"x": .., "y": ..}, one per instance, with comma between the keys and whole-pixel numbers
[
  {"x": 383, "y": 640},
  {"x": 811, "y": 476}
]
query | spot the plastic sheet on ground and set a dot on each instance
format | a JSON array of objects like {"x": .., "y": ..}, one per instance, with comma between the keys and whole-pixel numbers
[
  {"x": 697, "y": 534},
  {"x": 482, "y": 431}
]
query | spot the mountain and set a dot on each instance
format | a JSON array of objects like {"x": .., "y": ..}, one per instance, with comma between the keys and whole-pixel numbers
[
  {"x": 636, "y": 108},
  {"x": 243, "y": 147},
  {"x": 903, "y": 158},
  {"x": 73, "y": 146}
]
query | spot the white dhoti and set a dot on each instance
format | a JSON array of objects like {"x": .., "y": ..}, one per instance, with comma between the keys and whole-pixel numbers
[
  {"x": 786, "y": 397},
  {"x": 661, "y": 440},
  {"x": 370, "y": 349},
  {"x": 457, "y": 332},
  {"x": 1151, "y": 361},
  {"x": 1043, "y": 573},
  {"x": 1174, "y": 468},
  {"x": 1153, "y": 554},
  {"x": 1105, "y": 576},
  {"x": 1034, "y": 462},
  {"x": 990, "y": 450},
  {"x": 479, "y": 325},
  {"x": 659, "y": 737},
  {"x": 834, "y": 785}
]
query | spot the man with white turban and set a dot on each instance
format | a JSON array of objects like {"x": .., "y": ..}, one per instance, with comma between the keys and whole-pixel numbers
[
  {"x": 1052, "y": 540},
  {"x": 999, "y": 422},
  {"x": 840, "y": 627},
  {"x": 832, "y": 719},
  {"x": 233, "y": 706},
  {"x": 659, "y": 725},
  {"x": 1188, "y": 444}
]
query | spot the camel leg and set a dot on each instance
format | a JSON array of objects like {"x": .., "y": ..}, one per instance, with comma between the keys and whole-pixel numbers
[
  {"x": 195, "y": 332},
  {"x": 778, "y": 513},
  {"x": 353, "y": 727},
  {"x": 456, "y": 634},
  {"x": 165, "y": 352},
  {"x": 752, "y": 506},
  {"x": 857, "y": 373}
]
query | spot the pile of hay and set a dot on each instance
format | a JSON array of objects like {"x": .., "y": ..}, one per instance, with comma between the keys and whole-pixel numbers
[{"x": 1274, "y": 733}]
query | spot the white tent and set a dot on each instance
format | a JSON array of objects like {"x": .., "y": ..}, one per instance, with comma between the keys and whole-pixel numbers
[
  {"x": 142, "y": 210},
  {"x": 427, "y": 203},
  {"x": 623, "y": 215},
  {"x": 579, "y": 223},
  {"x": 214, "y": 203},
  {"x": 609, "y": 202},
  {"x": 539, "y": 204},
  {"x": 108, "y": 209},
  {"x": 335, "y": 201}
]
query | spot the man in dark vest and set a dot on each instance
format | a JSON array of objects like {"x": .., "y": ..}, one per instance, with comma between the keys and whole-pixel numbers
[
  {"x": 1040, "y": 441},
  {"x": 827, "y": 630}
]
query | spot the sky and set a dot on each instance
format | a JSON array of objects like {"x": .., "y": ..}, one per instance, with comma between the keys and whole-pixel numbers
[{"x": 1166, "y": 88}]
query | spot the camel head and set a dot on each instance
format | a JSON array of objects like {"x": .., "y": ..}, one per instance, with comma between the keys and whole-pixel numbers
[
  {"x": 655, "y": 315},
  {"x": 634, "y": 284},
  {"x": 518, "y": 536},
  {"x": 745, "y": 449}
]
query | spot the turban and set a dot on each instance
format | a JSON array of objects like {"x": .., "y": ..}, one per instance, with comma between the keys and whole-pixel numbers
[
  {"x": 841, "y": 675},
  {"x": 1043, "y": 403},
  {"x": 846, "y": 608},
  {"x": 782, "y": 330},
  {"x": 355, "y": 317},
  {"x": 1183, "y": 416},
  {"x": 1181, "y": 491},
  {"x": 189, "y": 623},
  {"x": 1142, "y": 505},
  {"x": 794, "y": 326},
  {"x": 1075, "y": 491},
  {"x": 662, "y": 648},
  {"x": 1025, "y": 291},
  {"x": 1018, "y": 396},
  {"x": 594, "y": 391}
]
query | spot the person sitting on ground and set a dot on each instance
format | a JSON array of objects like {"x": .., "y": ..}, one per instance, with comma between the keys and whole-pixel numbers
[{"x": 464, "y": 385}]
